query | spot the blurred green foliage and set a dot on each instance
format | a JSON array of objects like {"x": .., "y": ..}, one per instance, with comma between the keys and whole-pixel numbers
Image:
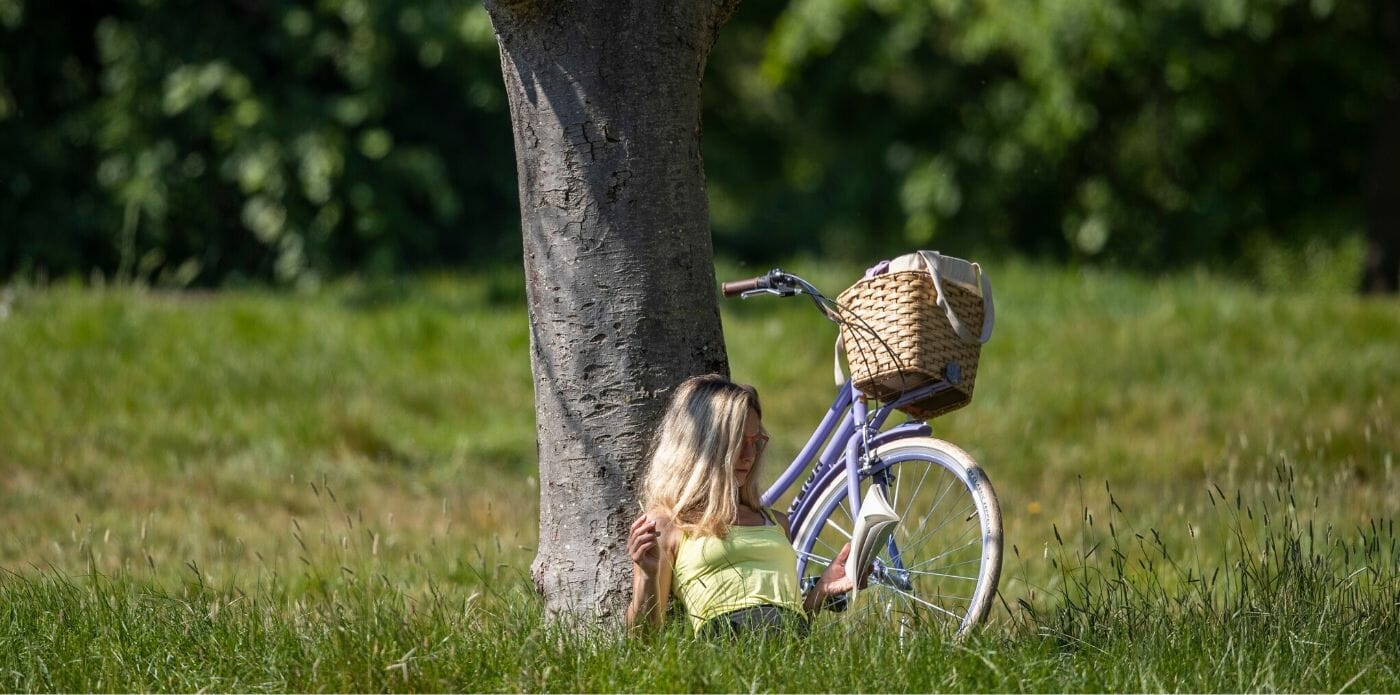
[
  {"x": 177, "y": 143},
  {"x": 1149, "y": 133},
  {"x": 276, "y": 140}
]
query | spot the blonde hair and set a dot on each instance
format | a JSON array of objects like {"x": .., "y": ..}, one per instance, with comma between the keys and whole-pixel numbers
[{"x": 690, "y": 479}]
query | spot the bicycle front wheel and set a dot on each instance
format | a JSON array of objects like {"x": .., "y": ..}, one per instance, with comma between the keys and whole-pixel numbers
[{"x": 943, "y": 562}]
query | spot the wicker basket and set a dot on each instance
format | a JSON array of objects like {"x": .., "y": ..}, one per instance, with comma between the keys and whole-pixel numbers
[{"x": 897, "y": 338}]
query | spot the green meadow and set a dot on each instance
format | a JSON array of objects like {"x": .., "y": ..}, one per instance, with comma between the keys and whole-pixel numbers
[{"x": 251, "y": 490}]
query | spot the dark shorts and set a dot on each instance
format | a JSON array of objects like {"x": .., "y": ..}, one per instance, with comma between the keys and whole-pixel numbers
[{"x": 764, "y": 620}]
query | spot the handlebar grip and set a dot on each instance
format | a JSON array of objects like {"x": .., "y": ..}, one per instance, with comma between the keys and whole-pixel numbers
[{"x": 738, "y": 287}]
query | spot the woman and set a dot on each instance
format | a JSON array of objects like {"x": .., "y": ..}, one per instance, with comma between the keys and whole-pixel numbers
[{"x": 704, "y": 535}]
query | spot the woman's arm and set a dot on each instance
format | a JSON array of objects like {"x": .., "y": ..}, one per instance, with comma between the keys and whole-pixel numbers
[
  {"x": 651, "y": 545},
  {"x": 833, "y": 582}
]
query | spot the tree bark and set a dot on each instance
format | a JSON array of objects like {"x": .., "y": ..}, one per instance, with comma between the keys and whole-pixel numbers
[{"x": 605, "y": 105}]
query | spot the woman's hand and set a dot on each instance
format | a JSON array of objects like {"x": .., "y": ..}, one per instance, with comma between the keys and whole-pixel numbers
[
  {"x": 833, "y": 581},
  {"x": 643, "y": 545},
  {"x": 651, "y": 546}
]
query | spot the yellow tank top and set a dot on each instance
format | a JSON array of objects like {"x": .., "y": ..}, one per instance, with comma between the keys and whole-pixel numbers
[{"x": 751, "y": 566}]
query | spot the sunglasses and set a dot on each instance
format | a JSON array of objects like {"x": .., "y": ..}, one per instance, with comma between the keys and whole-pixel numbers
[{"x": 759, "y": 442}]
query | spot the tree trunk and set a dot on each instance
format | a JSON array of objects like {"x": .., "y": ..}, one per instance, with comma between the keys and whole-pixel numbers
[{"x": 605, "y": 105}]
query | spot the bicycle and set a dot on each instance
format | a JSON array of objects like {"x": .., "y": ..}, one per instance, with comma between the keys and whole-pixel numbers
[{"x": 942, "y": 564}]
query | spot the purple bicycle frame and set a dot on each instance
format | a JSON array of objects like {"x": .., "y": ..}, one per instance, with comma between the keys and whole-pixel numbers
[{"x": 856, "y": 432}]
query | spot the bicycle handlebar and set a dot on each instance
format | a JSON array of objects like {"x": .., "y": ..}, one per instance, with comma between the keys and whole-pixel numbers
[
  {"x": 738, "y": 287},
  {"x": 783, "y": 284},
  {"x": 775, "y": 281}
]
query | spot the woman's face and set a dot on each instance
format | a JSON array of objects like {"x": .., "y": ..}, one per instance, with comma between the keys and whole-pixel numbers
[{"x": 753, "y": 443}]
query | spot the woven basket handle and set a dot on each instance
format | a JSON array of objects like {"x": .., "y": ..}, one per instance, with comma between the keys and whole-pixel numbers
[{"x": 933, "y": 260}]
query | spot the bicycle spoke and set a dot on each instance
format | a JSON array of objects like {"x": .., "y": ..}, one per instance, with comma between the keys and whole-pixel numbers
[
  {"x": 830, "y": 551},
  {"x": 915, "y": 568},
  {"x": 959, "y": 599},
  {"x": 939, "y": 596},
  {"x": 884, "y": 606},
  {"x": 894, "y": 502},
  {"x": 915, "y": 494},
  {"x": 949, "y": 551},
  {"x": 906, "y": 608},
  {"x": 832, "y": 523},
  {"x": 940, "y": 526},
  {"x": 923, "y": 520},
  {"x": 920, "y": 601},
  {"x": 927, "y": 573},
  {"x": 942, "y": 494},
  {"x": 923, "y": 528},
  {"x": 961, "y": 536}
]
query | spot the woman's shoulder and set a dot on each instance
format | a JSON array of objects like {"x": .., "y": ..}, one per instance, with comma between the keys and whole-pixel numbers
[{"x": 666, "y": 528}]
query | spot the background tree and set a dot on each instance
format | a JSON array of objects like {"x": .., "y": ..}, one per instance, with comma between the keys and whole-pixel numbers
[
  {"x": 284, "y": 141},
  {"x": 1381, "y": 267},
  {"x": 273, "y": 140},
  {"x": 605, "y": 107},
  {"x": 1149, "y": 134}
]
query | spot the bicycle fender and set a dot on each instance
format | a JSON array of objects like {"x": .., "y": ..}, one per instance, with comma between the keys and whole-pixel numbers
[
  {"x": 904, "y": 431},
  {"x": 908, "y": 430}
]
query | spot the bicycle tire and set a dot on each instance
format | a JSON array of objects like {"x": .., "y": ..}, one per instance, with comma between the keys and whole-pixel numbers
[{"x": 947, "y": 527}]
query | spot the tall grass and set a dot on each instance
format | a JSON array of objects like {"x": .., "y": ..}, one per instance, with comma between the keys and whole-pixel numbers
[
  {"x": 248, "y": 491},
  {"x": 1289, "y": 602},
  {"x": 1289, "y": 607}
]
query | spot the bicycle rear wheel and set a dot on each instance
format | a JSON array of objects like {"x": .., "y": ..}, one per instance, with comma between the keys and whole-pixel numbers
[{"x": 942, "y": 566}]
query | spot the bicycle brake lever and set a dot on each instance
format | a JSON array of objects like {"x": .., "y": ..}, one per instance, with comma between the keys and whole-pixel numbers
[{"x": 784, "y": 292}]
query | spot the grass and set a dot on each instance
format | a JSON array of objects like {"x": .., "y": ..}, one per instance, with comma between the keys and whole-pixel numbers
[
  {"x": 256, "y": 491},
  {"x": 1281, "y": 619}
]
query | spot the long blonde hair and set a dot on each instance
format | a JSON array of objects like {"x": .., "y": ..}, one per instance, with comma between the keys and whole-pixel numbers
[{"x": 691, "y": 476}]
